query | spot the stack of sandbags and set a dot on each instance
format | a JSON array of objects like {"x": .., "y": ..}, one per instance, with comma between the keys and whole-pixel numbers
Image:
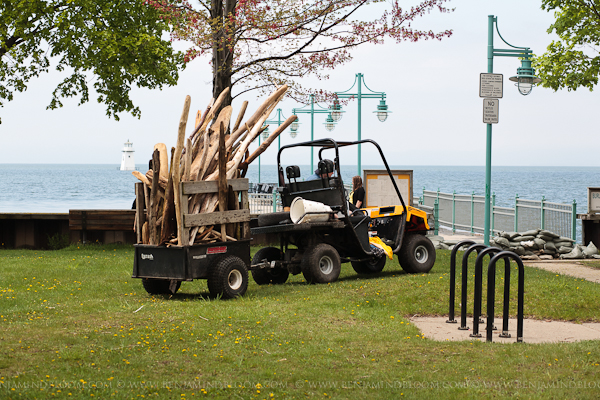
[
  {"x": 580, "y": 252},
  {"x": 214, "y": 152},
  {"x": 534, "y": 244}
]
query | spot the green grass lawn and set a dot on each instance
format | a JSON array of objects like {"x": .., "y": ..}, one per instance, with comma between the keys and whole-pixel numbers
[{"x": 74, "y": 324}]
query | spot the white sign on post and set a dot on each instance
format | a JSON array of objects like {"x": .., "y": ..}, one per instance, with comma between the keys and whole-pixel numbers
[
  {"x": 490, "y": 85},
  {"x": 490, "y": 111}
]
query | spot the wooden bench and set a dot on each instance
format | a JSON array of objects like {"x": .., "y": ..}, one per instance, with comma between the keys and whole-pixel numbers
[{"x": 110, "y": 226}]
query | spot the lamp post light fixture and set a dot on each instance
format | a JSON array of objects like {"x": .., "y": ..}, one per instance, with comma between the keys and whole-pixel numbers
[
  {"x": 382, "y": 111},
  {"x": 336, "y": 111},
  {"x": 315, "y": 108},
  {"x": 525, "y": 79}
]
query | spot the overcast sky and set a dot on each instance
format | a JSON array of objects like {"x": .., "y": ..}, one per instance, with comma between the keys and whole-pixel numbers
[{"x": 431, "y": 86}]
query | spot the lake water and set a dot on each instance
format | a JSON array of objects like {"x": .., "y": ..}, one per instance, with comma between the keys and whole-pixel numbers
[{"x": 60, "y": 187}]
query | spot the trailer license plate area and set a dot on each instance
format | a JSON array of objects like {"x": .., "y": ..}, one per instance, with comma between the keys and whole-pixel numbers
[{"x": 216, "y": 250}]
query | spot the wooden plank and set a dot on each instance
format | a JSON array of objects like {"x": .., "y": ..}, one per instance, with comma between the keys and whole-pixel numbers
[
  {"x": 215, "y": 218},
  {"x": 185, "y": 239},
  {"x": 139, "y": 211},
  {"x": 102, "y": 212},
  {"x": 237, "y": 185},
  {"x": 176, "y": 166},
  {"x": 154, "y": 197},
  {"x": 245, "y": 225},
  {"x": 223, "y": 188}
]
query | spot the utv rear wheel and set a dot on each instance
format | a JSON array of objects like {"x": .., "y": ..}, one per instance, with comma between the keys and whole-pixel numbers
[
  {"x": 417, "y": 254},
  {"x": 229, "y": 278},
  {"x": 160, "y": 286},
  {"x": 321, "y": 264},
  {"x": 372, "y": 266},
  {"x": 265, "y": 276}
]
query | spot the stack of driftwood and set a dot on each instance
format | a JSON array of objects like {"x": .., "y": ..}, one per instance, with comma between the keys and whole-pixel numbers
[{"x": 213, "y": 152}]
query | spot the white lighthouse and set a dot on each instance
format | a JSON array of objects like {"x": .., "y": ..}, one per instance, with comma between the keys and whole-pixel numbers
[{"x": 127, "y": 162}]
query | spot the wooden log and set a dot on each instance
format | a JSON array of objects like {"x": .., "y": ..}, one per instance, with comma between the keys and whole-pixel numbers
[
  {"x": 154, "y": 198},
  {"x": 270, "y": 139},
  {"x": 232, "y": 204},
  {"x": 176, "y": 166},
  {"x": 164, "y": 160},
  {"x": 141, "y": 177},
  {"x": 145, "y": 233},
  {"x": 222, "y": 178},
  {"x": 256, "y": 129},
  {"x": 223, "y": 118},
  {"x": 257, "y": 114},
  {"x": 139, "y": 211},
  {"x": 240, "y": 117},
  {"x": 147, "y": 201},
  {"x": 194, "y": 136},
  {"x": 188, "y": 160},
  {"x": 168, "y": 226},
  {"x": 162, "y": 182}
]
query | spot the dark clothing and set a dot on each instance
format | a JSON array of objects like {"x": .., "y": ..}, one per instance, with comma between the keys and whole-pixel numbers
[{"x": 359, "y": 194}]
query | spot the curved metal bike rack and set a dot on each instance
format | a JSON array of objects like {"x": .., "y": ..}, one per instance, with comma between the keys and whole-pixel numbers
[
  {"x": 478, "y": 288},
  {"x": 457, "y": 247},
  {"x": 463, "y": 290},
  {"x": 507, "y": 256}
]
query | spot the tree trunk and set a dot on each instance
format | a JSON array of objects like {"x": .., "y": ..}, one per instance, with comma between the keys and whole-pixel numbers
[{"x": 222, "y": 58}]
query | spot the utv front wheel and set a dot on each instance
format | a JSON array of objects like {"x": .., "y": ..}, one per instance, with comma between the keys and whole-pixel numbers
[
  {"x": 321, "y": 264},
  {"x": 372, "y": 266},
  {"x": 417, "y": 254},
  {"x": 264, "y": 276}
]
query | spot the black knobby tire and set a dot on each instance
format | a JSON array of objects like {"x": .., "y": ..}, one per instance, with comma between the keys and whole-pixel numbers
[
  {"x": 372, "y": 266},
  {"x": 265, "y": 276},
  {"x": 321, "y": 264},
  {"x": 417, "y": 254},
  {"x": 159, "y": 286},
  {"x": 272, "y": 218},
  {"x": 228, "y": 278}
]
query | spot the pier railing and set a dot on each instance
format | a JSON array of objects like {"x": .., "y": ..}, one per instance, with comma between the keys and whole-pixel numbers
[{"x": 466, "y": 213}]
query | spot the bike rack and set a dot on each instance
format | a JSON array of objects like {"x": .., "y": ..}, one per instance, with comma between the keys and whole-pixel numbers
[
  {"x": 479, "y": 291},
  {"x": 506, "y": 255},
  {"x": 463, "y": 290},
  {"x": 458, "y": 245}
]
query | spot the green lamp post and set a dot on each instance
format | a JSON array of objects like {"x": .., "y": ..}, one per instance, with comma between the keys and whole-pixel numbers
[
  {"x": 525, "y": 80},
  {"x": 382, "y": 111},
  {"x": 314, "y": 108}
]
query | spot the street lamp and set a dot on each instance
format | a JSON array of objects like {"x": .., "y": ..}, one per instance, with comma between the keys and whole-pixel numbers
[
  {"x": 329, "y": 123},
  {"x": 382, "y": 111},
  {"x": 525, "y": 79}
]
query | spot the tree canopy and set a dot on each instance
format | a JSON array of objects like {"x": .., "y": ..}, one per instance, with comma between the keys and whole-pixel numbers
[
  {"x": 261, "y": 44},
  {"x": 114, "y": 43},
  {"x": 574, "y": 60}
]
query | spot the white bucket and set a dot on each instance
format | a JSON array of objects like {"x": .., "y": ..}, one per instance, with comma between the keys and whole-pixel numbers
[{"x": 301, "y": 206}]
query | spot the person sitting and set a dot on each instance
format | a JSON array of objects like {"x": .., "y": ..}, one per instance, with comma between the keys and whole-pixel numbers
[
  {"x": 324, "y": 171},
  {"x": 357, "y": 196}
]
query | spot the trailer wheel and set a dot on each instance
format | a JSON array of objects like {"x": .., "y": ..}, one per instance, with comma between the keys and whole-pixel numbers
[
  {"x": 159, "y": 286},
  {"x": 372, "y": 266},
  {"x": 417, "y": 254},
  {"x": 321, "y": 264},
  {"x": 228, "y": 278},
  {"x": 264, "y": 276}
]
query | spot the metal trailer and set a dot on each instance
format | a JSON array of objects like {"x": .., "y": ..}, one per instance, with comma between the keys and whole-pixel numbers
[
  {"x": 317, "y": 249},
  {"x": 223, "y": 263}
]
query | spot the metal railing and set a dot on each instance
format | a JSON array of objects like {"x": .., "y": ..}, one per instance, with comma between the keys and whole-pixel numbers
[{"x": 466, "y": 213}]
